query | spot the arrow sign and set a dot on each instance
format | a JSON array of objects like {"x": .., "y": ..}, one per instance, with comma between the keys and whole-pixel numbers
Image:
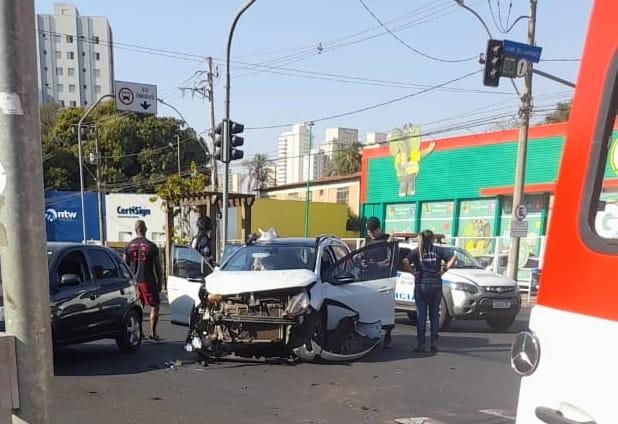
[
  {"x": 522, "y": 51},
  {"x": 135, "y": 97}
]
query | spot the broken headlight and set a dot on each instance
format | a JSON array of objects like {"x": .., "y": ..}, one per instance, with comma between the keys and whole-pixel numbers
[{"x": 298, "y": 305}]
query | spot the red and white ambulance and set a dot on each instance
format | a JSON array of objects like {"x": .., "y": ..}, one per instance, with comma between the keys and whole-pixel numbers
[{"x": 569, "y": 357}]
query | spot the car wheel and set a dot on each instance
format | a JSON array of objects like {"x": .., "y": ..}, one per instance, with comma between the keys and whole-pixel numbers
[
  {"x": 130, "y": 336},
  {"x": 500, "y": 323},
  {"x": 445, "y": 318}
]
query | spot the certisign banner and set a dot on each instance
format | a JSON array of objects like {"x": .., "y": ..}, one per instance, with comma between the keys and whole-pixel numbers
[{"x": 134, "y": 97}]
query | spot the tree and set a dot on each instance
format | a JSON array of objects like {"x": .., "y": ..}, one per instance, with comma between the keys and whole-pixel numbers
[
  {"x": 260, "y": 174},
  {"x": 560, "y": 114},
  {"x": 137, "y": 152},
  {"x": 346, "y": 161}
]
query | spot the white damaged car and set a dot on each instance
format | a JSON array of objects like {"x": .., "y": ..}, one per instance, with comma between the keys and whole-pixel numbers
[{"x": 295, "y": 298}]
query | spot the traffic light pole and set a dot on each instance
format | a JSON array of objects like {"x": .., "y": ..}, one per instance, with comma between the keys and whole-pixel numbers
[
  {"x": 22, "y": 226},
  {"x": 226, "y": 130},
  {"x": 522, "y": 145}
]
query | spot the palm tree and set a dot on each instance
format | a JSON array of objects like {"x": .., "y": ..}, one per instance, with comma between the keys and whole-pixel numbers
[
  {"x": 561, "y": 114},
  {"x": 260, "y": 175},
  {"x": 346, "y": 160}
]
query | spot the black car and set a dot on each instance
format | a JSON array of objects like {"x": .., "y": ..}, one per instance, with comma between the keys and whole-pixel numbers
[{"x": 93, "y": 296}]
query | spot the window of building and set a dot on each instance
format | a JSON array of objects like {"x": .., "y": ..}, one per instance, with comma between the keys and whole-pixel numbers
[
  {"x": 73, "y": 103},
  {"x": 69, "y": 38},
  {"x": 84, "y": 54},
  {"x": 43, "y": 34},
  {"x": 62, "y": 103},
  {"x": 97, "y": 73},
  {"x": 71, "y": 71},
  {"x": 58, "y": 54},
  {"x": 97, "y": 89},
  {"x": 83, "y": 69},
  {"x": 59, "y": 71},
  {"x": 85, "y": 86},
  {"x": 70, "y": 55},
  {"x": 71, "y": 88},
  {"x": 95, "y": 39},
  {"x": 60, "y": 88},
  {"x": 44, "y": 51},
  {"x": 293, "y": 195},
  {"x": 45, "y": 68},
  {"x": 85, "y": 103},
  {"x": 97, "y": 56},
  {"x": 343, "y": 195}
]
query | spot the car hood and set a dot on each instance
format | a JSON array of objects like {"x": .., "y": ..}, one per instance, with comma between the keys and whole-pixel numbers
[
  {"x": 235, "y": 282},
  {"x": 477, "y": 276}
]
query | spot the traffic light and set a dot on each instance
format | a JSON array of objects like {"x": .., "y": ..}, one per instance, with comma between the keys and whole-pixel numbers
[
  {"x": 219, "y": 142},
  {"x": 231, "y": 153},
  {"x": 493, "y": 63},
  {"x": 235, "y": 141}
]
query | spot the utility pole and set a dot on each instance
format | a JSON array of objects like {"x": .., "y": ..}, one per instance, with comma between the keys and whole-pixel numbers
[
  {"x": 226, "y": 127},
  {"x": 22, "y": 229},
  {"x": 307, "y": 194},
  {"x": 178, "y": 149},
  {"x": 522, "y": 144},
  {"x": 214, "y": 178},
  {"x": 99, "y": 192}
]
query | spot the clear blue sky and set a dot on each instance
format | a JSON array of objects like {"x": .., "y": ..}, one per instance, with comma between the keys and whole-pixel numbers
[{"x": 439, "y": 28}]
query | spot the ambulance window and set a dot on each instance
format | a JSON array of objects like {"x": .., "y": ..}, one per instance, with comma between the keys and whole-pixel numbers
[{"x": 601, "y": 200}]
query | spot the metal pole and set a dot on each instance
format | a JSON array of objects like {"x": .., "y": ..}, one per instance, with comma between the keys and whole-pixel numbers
[
  {"x": 226, "y": 132},
  {"x": 22, "y": 228},
  {"x": 520, "y": 167},
  {"x": 178, "y": 148},
  {"x": 308, "y": 180},
  {"x": 81, "y": 163},
  {"x": 214, "y": 178},
  {"x": 100, "y": 193}
]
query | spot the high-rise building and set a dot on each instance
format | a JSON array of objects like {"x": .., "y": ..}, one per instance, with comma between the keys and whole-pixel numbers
[
  {"x": 317, "y": 164},
  {"x": 74, "y": 57},
  {"x": 293, "y": 147},
  {"x": 336, "y": 138}
]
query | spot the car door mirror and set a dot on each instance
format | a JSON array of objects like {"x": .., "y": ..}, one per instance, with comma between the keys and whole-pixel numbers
[
  {"x": 70, "y": 280},
  {"x": 345, "y": 278}
]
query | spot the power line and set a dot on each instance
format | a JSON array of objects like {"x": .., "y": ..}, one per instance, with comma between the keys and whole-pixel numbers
[
  {"x": 401, "y": 41},
  {"x": 374, "y": 106}
]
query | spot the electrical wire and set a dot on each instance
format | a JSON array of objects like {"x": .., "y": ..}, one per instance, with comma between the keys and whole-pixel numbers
[{"x": 401, "y": 41}]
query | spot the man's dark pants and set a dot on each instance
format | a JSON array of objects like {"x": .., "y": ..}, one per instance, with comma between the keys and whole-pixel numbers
[{"x": 427, "y": 296}]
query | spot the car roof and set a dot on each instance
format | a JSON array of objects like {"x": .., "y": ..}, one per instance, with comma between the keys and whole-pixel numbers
[{"x": 288, "y": 241}]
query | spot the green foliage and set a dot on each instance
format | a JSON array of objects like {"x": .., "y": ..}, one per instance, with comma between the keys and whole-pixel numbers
[
  {"x": 175, "y": 187},
  {"x": 346, "y": 161},
  {"x": 561, "y": 114},
  {"x": 138, "y": 152}
]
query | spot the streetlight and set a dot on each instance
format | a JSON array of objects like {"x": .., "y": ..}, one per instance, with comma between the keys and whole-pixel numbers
[
  {"x": 307, "y": 194},
  {"x": 227, "y": 133}
]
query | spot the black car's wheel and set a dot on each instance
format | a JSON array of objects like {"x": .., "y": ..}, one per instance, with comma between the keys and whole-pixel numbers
[
  {"x": 501, "y": 323},
  {"x": 445, "y": 318},
  {"x": 130, "y": 336}
]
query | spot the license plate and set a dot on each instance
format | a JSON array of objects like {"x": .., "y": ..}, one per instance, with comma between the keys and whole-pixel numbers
[{"x": 501, "y": 305}]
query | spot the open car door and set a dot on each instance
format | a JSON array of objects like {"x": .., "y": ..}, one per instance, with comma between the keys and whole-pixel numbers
[
  {"x": 359, "y": 299},
  {"x": 187, "y": 275}
]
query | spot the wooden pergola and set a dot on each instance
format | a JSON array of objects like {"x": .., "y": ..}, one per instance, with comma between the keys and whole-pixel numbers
[{"x": 209, "y": 203}]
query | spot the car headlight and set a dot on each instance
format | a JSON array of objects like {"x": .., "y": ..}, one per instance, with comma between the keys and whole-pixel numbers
[
  {"x": 298, "y": 305},
  {"x": 466, "y": 287}
]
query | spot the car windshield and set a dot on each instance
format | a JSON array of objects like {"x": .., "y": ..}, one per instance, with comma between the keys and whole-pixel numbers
[
  {"x": 465, "y": 260},
  {"x": 271, "y": 257}
]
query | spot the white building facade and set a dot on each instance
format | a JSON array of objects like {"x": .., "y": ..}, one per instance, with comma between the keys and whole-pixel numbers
[
  {"x": 292, "y": 150},
  {"x": 74, "y": 57}
]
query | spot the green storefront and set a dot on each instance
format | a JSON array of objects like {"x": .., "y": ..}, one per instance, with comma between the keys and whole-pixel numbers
[{"x": 462, "y": 186}]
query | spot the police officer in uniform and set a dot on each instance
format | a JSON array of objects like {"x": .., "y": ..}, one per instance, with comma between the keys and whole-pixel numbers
[{"x": 202, "y": 242}]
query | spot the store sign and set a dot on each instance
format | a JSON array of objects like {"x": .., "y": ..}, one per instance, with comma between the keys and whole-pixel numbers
[
  {"x": 405, "y": 148},
  {"x": 53, "y": 215},
  {"x": 400, "y": 218},
  {"x": 133, "y": 212},
  {"x": 437, "y": 217},
  {"x": 613, "y": 156}
]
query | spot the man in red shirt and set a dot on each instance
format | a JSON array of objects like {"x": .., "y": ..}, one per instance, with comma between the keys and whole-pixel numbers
[{"x": 142, "y": 256}]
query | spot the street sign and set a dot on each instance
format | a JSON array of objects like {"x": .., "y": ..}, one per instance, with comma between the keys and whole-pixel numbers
[
  {"x": 134, "y": 97},
  {"x": 519, "y": 229},
  {"x": 522, "y": 51},
  {"x": 521, "y": 212},
  {"x": 509, "y": 67}
]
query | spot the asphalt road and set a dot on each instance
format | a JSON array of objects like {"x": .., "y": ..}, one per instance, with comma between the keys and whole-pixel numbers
[{"x": 468, "y": 381}]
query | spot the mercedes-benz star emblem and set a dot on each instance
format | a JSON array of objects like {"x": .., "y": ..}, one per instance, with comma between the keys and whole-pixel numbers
[{"x": 525, "y": 353}]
